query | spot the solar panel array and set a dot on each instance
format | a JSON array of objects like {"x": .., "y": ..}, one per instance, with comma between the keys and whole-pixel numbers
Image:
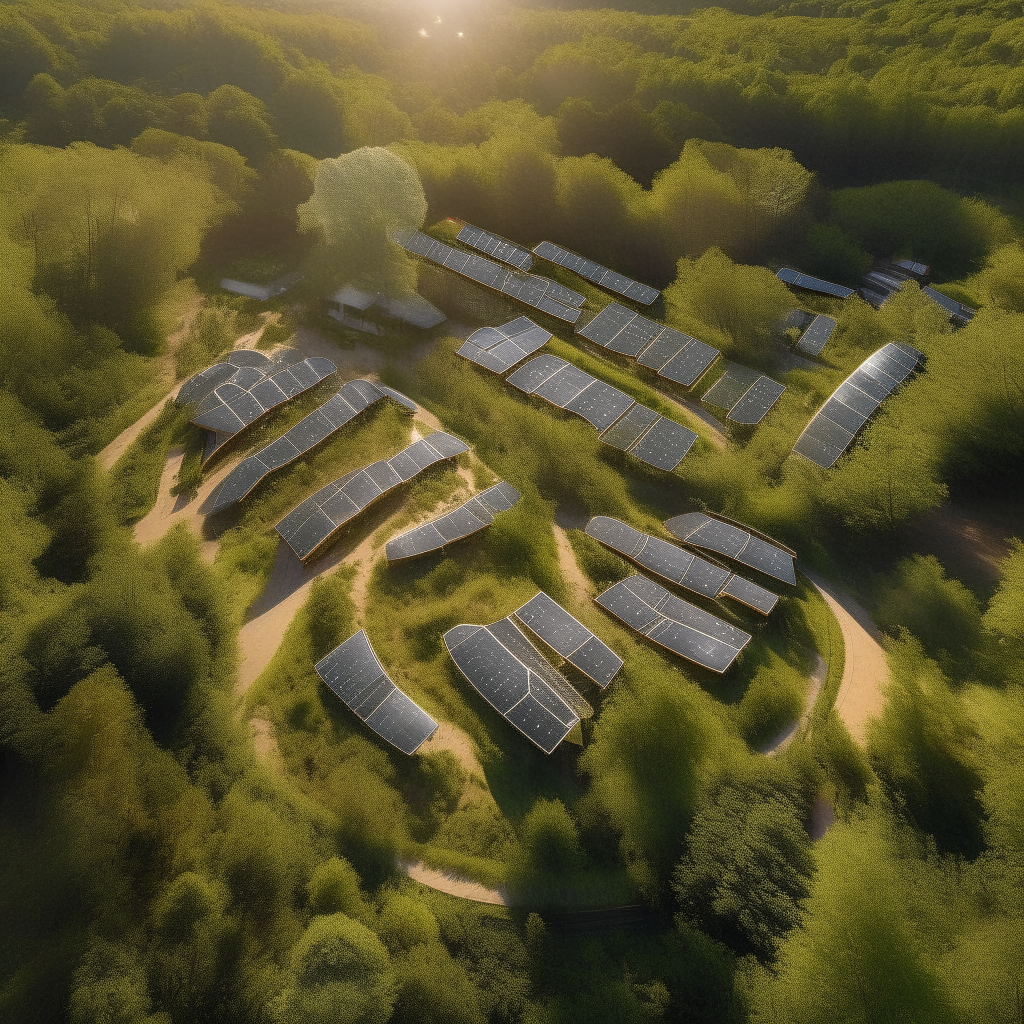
[
  {"x": 568, "y": 637},
  {"x": 335, "y": 413},
  {"x": 957, "y": 310},
  {"x": 703, "y": 531},
  {"x": 651, "y": 438},
  {"x": 835, "y": 425},
  {"x": 602, "y": 276},
  {"x": 539, "y": 292},
  {"x": 813, "y": 284},
  {"x": 228, "y": 403},
  {"x": 673, "y": 355},
  {"x": 747, "y": 394},
  {"x": 311, "y": 525},
  {"x": 500, "y": 348},
  {"x": 496, "y": 246},
  {"x": 683, "y": 568},
  {"x": 354, "y": 674},
  {"x": 467, "y": 519},
  {"x": 673, "y": 623},
  {"x": 512, "y": 676},
  {"x": 918, "y": 269},
  {"x": 816, "y": 336}
]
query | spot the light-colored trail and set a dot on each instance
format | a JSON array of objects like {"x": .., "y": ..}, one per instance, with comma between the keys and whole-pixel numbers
[
  {"x": 865, "y": 670},
  {"x": 818, "y": 676},
  {"x": 452, "y": 883},
  {"x": 578, "y": 582},
  {"x": 121, "y": 443},
  {"x": 451, "y": 737}
]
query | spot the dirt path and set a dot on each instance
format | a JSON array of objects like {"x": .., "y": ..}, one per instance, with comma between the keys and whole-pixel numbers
[
  {"x": 865, "y": 671},
  {"x": 578, "y": 582},
  {"x": 818, "y": 676},
  {"x": 451, "y": 737},
  {"x": 452, "y": 883}
]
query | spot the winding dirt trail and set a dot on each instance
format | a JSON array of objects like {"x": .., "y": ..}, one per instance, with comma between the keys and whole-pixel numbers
[
  {"x": 865, "y": 670},
  {"x": 581, "y": 586},
  {"x": 452, "y": 883},
  {"x": 818, "y": 676}
]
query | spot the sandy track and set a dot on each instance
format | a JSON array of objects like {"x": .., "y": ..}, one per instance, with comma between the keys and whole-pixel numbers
[
  {"x": 451, "y": 737},
  {"x": 818, "y": 676},
  {"x": 578, "y": 582},
  {"x": 452, "y": 883},
  {"x": 865, "y": 671}
]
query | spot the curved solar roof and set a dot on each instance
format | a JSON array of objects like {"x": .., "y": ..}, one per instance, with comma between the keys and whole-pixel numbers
[
  {"x": 500, "y": 348},
  {"x": 683, "y": 568},
  {"x": 747, "y": 394},
  {"x": 834, "y": 426},
  {"x": 335, "y": 413},
  {"x": 601, "y": 276},
  {"x": 356, "y": 677},
  {"x": 703, "y": 531},
  {"x": 620, "y": 421},
  {"x": 540, "y": 292},
  {"x": 463, "y": 521},
  {"x": 512, "y": 676},
  {"x": 311, "y": 525},
  {"x": 228, "y": 403},
  {"x": 673, "y": 355},
  {"x": 673, "y": 623},
  {"x": 813, "y": 284},
  {"x": 496, "y": 246},
  {"x": 567, "y": 636}
]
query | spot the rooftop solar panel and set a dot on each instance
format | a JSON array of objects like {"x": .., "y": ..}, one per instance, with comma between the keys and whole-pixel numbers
[
  {"x": 467, "y": 519},
  {"x": 313, "y": 523},
  {"x": 354, "y": 674},
  {"x": 674, "y": 624},
  {"x": 813, "y": 284},
  {"x": 817, "y": 334},
  {"x": 703, "y": 531},
  {"x": 496, "y": 246},
  {"x": 568, "y": 637},
  {"x": 601, "y": 276},
  {"x": 539, "y": 292},
  {"x": 521, "y": 696},
  {"x": 834, "y": 426}
]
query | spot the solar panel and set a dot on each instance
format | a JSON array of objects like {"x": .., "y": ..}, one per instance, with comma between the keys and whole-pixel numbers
[
  {"x": 463, "y": 521},
  {"x": 730, "y": 387},
  {"x": 653, "y": 439},
  {"x": 665, "y": 445},
  {"x": 356, "y": 677},
  {"x": 248, "y": 393},
  {"x": 676, "y": 356},
  {"x": 568, "y": 637},
  {"x": 628, "y": 430},
  {"x": 957, "y": 310},
  {"x": 674, "y": 624},
  {"x": 815, "y": 337},
  {"x": 496, "y": 246},
  {"x": 756, "y": 402},
  {"x": 813, "y": 284},
  {"x": 313, "y": 523},
  {"x": 834, "y": 426},
  {"x": 601, "y": 276},
  {"x": 920, "y": 269},
  {"x": 750, "y": 594},
  {"x": 320, "y": 424},
  {"x": 500, "y": 348},
  {"x": 703, "y": 531},
  {"x": 524, "y": 698},
  {"x": 539, "y": 292}
]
